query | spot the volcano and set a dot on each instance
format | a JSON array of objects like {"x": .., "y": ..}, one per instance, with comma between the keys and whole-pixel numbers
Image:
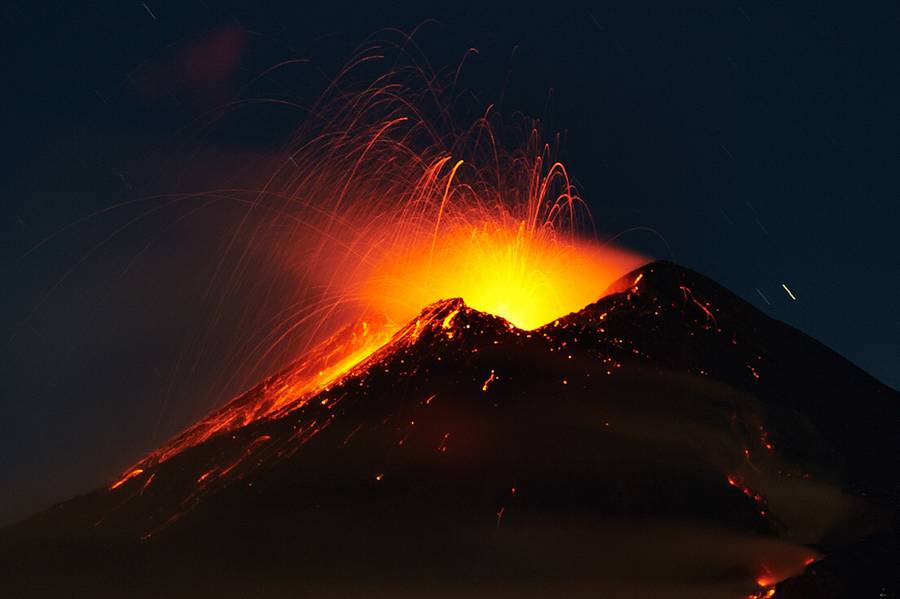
[{"x": 668, "y": 440}]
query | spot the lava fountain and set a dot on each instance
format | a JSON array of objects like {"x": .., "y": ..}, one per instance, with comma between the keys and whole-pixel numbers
[
  {"x": 382, "y": 205},
  {"x": 520, "y": 268}
]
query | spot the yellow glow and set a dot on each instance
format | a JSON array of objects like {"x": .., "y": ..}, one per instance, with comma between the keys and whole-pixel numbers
[{"x": 527, "y": 276}]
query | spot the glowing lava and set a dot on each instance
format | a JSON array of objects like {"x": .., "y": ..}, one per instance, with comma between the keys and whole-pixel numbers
[
  {"x": 525, "y": 274},
  {"x": 320, "y": 367}
]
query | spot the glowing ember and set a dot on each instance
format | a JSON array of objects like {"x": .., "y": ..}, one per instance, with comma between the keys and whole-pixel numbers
[
  {"x": 126, "y": 477},
  {"x": 488, "y": 381}
]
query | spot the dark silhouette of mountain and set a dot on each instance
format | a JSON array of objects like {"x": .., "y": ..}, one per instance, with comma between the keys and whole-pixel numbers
[{"x": 668, "y": 440}]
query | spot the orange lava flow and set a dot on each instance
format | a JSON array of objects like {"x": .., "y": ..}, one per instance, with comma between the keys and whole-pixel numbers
[
  {"x": 126, "y": 477},
  {"x": 327, "y": 362}
]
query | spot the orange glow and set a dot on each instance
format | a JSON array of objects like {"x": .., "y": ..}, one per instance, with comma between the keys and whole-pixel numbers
[
  {"x": 527, "y": 274},
  {"x": 395, "y": 213},
  {"x": 775, "y": 572},
  {"x": 126, "y": 477}
]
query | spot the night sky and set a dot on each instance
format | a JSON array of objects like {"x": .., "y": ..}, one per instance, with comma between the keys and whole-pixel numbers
[{"x": 754, "y": 142}]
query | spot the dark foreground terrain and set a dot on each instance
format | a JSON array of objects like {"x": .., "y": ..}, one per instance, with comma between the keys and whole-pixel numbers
[{"x": 666, "y": 441}]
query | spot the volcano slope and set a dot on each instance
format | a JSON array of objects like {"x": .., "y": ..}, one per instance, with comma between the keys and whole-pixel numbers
[{"x": 668, "y": 440}]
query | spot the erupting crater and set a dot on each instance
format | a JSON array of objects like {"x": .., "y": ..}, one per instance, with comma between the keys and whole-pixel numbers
[{"x": 528, "y": 273}]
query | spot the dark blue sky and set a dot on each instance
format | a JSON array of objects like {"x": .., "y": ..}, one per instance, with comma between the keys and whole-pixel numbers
[{"x": 759, "y": 140}]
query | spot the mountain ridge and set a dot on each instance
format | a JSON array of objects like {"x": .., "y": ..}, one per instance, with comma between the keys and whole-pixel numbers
[{"x": 669, "y": 398}]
